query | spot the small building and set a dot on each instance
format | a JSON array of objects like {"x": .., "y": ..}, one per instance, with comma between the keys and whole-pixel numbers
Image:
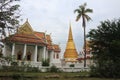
[
  {"x": 31, "y": 46},
  {"x": 89, "y": 55}
]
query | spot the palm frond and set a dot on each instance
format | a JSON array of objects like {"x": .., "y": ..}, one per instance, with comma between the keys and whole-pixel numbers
[
  {"x": 77, "y": 10},
  {"x": 87, "y": 17},
  {"x": 88, "y": 11},
  {"x": 78, "y": 17}
]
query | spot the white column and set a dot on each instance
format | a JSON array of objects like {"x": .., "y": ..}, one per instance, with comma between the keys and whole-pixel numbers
[
  {"x": 51, "y": 56},
  {"x": 24, "y": 52},
  {"x": 13, "y": 49},
  {"x": 44, "y": 52},
  {"x": 46, "y": 55},
  {"x": 35, "y": 54},
  {"x": 4, "y": 50},
  {"x": 40, "y": 54}
]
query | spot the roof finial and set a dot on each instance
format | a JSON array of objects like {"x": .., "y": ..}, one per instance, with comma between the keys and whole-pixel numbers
[
  {"x": 59, "y": 43},
  {"x": 45, "y": 31},
  {"x": 27, "y": 20},
  {"x": 50, "y": 34}
]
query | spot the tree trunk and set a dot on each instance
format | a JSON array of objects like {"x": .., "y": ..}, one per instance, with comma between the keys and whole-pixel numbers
[
  {"x": 84, "y": 47},
  {"x": 84, "y": 27}
]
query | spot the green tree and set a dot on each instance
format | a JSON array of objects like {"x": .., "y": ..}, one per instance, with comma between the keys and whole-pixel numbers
[
  {"x": 105, "y": 43},
  {"x": 82, "y": 13},
  {"x": 9, "y": 15}
]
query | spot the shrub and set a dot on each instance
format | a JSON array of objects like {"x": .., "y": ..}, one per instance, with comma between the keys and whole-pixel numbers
[
  {"x": 45, "y": 62},
  {"x": 54, "y": 69},
  {"x": 72, "y": 65}
]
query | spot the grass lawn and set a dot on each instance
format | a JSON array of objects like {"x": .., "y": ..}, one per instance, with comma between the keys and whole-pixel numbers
[{"x": 47, "y": 76}]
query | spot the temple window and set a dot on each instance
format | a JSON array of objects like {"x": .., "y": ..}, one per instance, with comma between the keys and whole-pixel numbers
[
  {"x": 28, "y": 56},
  {"x": 19, "y": 55},
  {"x": 57, "y": 56}
]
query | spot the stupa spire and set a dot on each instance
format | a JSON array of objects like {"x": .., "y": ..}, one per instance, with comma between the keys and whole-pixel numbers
[
  {"x": 70, "y": 53},
  {"x": 70, "y": 33}
]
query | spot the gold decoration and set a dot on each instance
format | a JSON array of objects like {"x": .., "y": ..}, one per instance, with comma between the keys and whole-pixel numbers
[
  {"x": 70, "y": 53},
  {"x": 25, "y": 28}
]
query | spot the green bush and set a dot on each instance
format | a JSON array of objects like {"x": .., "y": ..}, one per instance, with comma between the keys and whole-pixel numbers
[
  {"x": 54, "y": 69},
  {"x": 45, "y": 62},
  {"x": 33, "y": 69},
  {"x": 72, "y": 65}
]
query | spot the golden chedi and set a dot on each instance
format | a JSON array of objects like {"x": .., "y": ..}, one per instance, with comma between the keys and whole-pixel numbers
[{"x": 70, "y": 54}]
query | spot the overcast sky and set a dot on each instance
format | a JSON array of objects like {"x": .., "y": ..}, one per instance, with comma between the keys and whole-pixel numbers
[{"x": 54, "y": 17}]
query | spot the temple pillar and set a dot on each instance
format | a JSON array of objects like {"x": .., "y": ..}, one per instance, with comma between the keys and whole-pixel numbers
[
  {"x": 46, "y": 55},
  {"x": 4, "y": 50},
  {"x": 24, "y": 52},
  {"x": 51, "y": 56},
  {"x": 35, "y": 54},
  {"x": 13, "y": 49},
  {"x": 44, "y": 52}
]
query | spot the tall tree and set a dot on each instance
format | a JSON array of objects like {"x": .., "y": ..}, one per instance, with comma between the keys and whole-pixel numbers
[
  {"x": 82, "y": 13},
  {"x": 9, "y": 15},
  {"x": 105, "y": 44}
]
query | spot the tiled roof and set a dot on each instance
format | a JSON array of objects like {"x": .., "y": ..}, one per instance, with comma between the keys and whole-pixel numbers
[
  {"x": 48, "y": 38},
  {"x": 40, "y": 35},
  {"x": 56, "y": 48},
  {"x": 50, "y": 47},
  {"x": 25, "y": 38},
  {"x": 49, "y": 41}
]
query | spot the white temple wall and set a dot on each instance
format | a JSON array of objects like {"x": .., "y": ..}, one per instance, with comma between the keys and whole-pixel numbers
[
  {"x": 7, "y": 50},
  {"x": 18, "y": 48},
  {"x": 40, "y": 50},
  {"x": 50, "y": 53},
  {"x": 54, "y": 60},
  {"x": 46, "y": 54}
]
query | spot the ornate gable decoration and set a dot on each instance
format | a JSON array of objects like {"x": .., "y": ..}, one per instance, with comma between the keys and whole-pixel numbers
[{"x": 26, "y": 28}]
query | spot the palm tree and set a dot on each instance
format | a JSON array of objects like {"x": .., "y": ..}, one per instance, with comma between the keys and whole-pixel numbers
[{"x": 82, "y": 13}]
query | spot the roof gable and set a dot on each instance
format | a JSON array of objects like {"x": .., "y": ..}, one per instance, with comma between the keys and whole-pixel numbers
[{"x": 26, "y": 28}]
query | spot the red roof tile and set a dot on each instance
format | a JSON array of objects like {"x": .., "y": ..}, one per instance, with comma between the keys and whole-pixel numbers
[
  {"x": 40, "y": 35},
  {"x": 25, "y": 38},
  {"x": 56, "y": 48},
  {"x": 48, "y": 38},
  {"x": 49, "y": 41}
]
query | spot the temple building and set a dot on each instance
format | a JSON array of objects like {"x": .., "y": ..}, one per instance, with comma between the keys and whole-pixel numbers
[
  {"x": 70, "y": 54},
  {"x": 32, "y": 46}
]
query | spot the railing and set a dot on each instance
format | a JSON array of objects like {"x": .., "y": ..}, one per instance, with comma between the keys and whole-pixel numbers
[
  {"x": 74, "y": 69},
  {"x": 31, "y": 63}
]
